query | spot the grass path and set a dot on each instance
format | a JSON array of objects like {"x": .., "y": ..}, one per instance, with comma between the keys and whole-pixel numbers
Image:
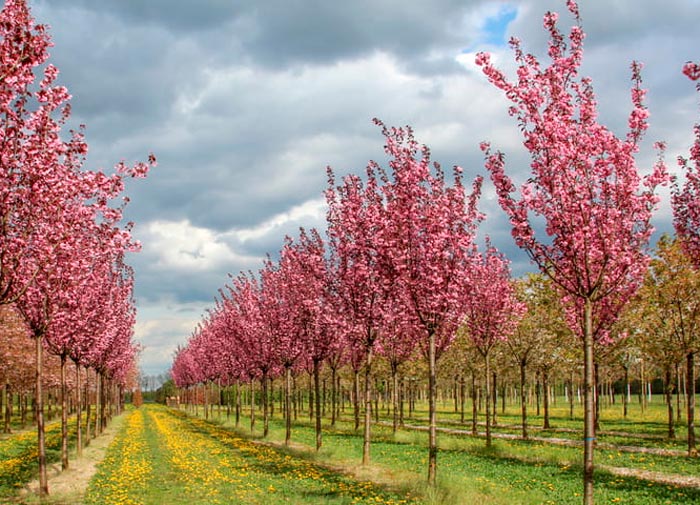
[{"x": 164, "y": 456}]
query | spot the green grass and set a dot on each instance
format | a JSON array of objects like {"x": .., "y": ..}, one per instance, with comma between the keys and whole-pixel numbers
[
  {"x": 511, "y": 471},
  {"x": 171, "y": 457},
  {"x": 18, "y": 455}
]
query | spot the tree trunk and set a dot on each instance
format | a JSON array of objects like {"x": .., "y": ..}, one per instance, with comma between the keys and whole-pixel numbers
[
  {"x": 287, "y": 405},
  {"x": 356, "y": 397},
  {"x": 79, "y": 413},
  {"x": 494, "y": 398},
  {"x": 402, "y": 398},
  {"x": 462, "y": 399},
  {"x": 98, "y": 394},
  {"x": 668, "y": 389},
  {"x": 678, "y": 394},
  {"x": 368, "y": 409},
  {"x": 64, "y": 414},
  {"x": 690, "y": 388},
  {"x": 376, "y": 400},
  {"x": 588, "y": 407},
  {"x": 571, "y": 396},
  {"x": 596, "y": 395},
  {"x": 487, "y": 365},
  {"x": 41, "y": 440},
  {"x": 523, "y": 400},
  {"x": 475, "y": 408},
  {"x": 432, "y": 414},
  {"x": 8, "y": 408},
  {"x": 319, "y": 413},
  {"x": 311, "y": 396},
  {"x": 545, "y": 390},
  {"x": 238, "y": 402},
  {"x": 625, "y": 395},
  {"x": 334, "y": 395},
  {"x": 266, "y": 412},
  {"x": 252, "y": 404},
  {"x": 88, "y": 407},
  {"x": 395, "y": 395}
]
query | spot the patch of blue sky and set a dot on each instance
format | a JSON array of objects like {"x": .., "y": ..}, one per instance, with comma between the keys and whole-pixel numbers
[{"x": 495, "y": 27}]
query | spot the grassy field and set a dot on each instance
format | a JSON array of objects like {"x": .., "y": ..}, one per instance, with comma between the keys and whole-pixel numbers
[
  {"x": 512, "y": 470},
  {"x": 163, "y": 455}
]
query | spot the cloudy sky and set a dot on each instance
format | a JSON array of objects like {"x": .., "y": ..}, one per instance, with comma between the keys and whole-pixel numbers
[{"x": 246, "y": 102}]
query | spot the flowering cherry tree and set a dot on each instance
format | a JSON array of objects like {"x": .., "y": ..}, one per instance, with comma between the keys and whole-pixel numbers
[
  {"x": 584, "y": 187},
  {"x": 426, "y": 245},
  {"x": 359, "y": 276},
  {"x": 303, "y": 268},
  {"x": 493, "y": 312},
  {"x": 686, "y": 219}
]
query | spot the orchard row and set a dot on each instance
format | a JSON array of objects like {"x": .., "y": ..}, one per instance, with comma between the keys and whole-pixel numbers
[
  {"x": 64, "y": 285},
  {"x": 401, "y": 274}
]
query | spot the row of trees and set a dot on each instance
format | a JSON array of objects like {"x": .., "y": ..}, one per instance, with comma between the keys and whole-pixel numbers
[
  {"x": 62, "y": 245},
  {"x": 401, "y": 270}
]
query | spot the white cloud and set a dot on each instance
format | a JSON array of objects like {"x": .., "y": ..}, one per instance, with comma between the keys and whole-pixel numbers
[
  {"x": 161, "y": 328},
  {"x": 180, "y": 245},
  {"x": 310, "y": 211}
]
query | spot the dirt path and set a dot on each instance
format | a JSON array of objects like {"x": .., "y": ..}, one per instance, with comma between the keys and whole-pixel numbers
[{"x": 69, "y": 487}]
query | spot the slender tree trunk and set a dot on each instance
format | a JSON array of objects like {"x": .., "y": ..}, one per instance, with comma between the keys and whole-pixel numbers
[
  {"x": 523, "y": 399},
  {"x": 266, "y": 412},
  {"x": 596, "y": 395},
  {"x": 678, "y": 394},
  {"x": 356, "y": 397},
  {"x": 295, "y": 397},
  {"x": 340, "y": 400},
  {"x": 287, "y": 405},
  {"x": 205, "y": 388},
  {"x": 588, "y": 407},
  {"x": 376, "y": 399},
  {"x": 462, "y": 399},
  {"x": 487, "y": 365},
  {"x": 98, "y": 404},
  {"x": 64, "y": 414},
  {"x": 311, "y": 396},
  {"x": 368, "y": 409},
  {"x": 432, "y": 408},
  {"x": 41, "y": 440},
  {"x": 395, "y": 395},
  {"x": 88, "y": 407},
  {"x": 402, "y": 398},
  {"x": 625, "y": 397},
  {"x": 334, "y": 394},
  {"x": 252, "y": 404},
  {"x": 571, "y": 396},
  {"x": 668, "y": 389},
  {"x": 79, "y": 413},
  {"x": 8, "y": 408},
  {"x": 475, "y": 408},
  {"x": 494, "y": 397},
  {"x": 503, "y": 397},
  {"x": 690, "y": 392},
  {"x": 319, "y": 413},
  {"x": 545, "y": 390}
]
